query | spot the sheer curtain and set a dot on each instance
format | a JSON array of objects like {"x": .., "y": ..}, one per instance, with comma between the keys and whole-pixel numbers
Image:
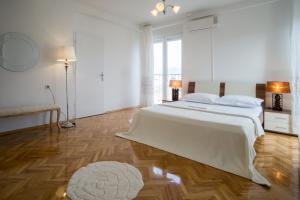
[
  {"x": 296, "y": 67},
  {"x": 147, "y": 98}
]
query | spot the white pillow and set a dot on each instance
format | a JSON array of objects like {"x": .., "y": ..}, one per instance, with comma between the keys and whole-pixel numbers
[
  {"x": 201, "y": 98},
  {"x": 239, "y": 101}
]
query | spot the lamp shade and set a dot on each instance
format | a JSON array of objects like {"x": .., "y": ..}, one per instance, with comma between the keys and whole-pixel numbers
[
  {"x": 154, "y": 12},
  {"x": 160, "y": 6},
  {"x": 176, "y": 9},
  {"x": 278, "y": 87},
  {"x": 66, "y": 54},
  {"x": 175, "y": 83}
]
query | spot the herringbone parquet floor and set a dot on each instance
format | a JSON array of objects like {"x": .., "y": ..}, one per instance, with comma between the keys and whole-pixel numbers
[{"x": 37, "y": 165}]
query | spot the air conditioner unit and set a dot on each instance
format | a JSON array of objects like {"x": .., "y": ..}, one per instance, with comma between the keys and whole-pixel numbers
[{"x": 201, "y": 23}]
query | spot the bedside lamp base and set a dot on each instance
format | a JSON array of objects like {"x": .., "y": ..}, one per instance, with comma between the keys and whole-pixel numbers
[
  {"x": 277, "y": 102},
  {"x": 175, "y": 94}
]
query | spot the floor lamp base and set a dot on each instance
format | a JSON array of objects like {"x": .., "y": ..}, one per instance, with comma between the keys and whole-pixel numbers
[{"x": 67, "y": 125}]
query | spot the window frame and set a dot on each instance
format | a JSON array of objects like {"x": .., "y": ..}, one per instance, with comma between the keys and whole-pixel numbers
[{"x": 164, "y": 40}]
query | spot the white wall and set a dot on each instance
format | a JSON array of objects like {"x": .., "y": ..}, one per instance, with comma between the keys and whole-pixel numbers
[
  {"x": 47, "y": 22},
  {"x": 51, "y": 23},
  {"x": 253, "y": 44},
  {"x": 250, "y": 43}
]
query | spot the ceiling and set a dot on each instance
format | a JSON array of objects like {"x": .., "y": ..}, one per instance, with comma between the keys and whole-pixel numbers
[{"x": 138, "y": 11}]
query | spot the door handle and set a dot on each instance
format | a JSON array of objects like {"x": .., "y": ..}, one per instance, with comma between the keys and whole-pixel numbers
[{"x": 102, "y": 76}]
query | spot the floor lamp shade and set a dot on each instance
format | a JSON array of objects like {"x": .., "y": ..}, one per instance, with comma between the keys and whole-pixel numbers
[{"x": 66, "y": 54}]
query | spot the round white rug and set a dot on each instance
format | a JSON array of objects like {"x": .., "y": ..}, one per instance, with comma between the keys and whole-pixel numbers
[{"x": 105, "y": 181}]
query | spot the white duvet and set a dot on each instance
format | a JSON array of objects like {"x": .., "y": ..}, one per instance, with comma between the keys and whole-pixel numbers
[{"x": 219, "y": 136}]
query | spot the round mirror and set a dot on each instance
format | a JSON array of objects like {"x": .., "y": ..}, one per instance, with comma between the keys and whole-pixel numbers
[{"x": 18, "y": 52}]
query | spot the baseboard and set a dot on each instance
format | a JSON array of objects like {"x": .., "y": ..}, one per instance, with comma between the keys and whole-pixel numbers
[
  {"x": 122, "y": 109},
  {"x": 112, "y": 111}
]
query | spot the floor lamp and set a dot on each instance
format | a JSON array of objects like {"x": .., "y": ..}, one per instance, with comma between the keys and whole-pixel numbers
[{"x": 67, "y": 55}]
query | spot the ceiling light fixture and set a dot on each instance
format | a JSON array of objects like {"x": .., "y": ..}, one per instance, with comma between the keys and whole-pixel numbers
[
  {"x": 162, "y": 7},
  {"x": 154, "y": 12}
]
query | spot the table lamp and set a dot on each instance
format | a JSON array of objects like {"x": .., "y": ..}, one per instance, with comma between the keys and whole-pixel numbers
[
  {"x": 277, "y": 89},
  {"x": 66, "y": 54},
  {"x": 175, "y": 85}
]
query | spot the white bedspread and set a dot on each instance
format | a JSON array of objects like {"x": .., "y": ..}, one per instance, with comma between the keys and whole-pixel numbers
[{"x": 214, "y": 135}]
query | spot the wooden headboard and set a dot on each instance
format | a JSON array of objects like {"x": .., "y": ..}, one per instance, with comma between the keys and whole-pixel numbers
[
  {"x": 260, "y": 92},
  {"x": 260, "y": 89}
]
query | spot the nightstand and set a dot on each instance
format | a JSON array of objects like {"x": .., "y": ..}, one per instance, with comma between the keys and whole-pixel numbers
[{"x": 278, "y": 121}]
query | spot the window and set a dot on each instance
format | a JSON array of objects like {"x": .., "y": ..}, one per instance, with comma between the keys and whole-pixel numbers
[
  {"x": 174, "y": 63},
  {"x": 167, "y": 66}
]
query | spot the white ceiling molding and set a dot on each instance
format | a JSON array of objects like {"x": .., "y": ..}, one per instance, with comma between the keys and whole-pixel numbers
[
  {"x": 93, "y": 8},
  {"x": 139, "y": 11},
  {"x": 87, "y": 10},
  {"x": 232, "y": 8}
]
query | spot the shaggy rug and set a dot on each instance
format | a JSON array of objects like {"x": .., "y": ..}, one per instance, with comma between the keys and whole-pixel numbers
[{"x": 105, "y": 181}]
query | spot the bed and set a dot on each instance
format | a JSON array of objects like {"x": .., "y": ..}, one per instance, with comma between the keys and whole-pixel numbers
[{"x": 219, "y": 136}]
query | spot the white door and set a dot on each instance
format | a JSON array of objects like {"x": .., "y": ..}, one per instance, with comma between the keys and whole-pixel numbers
[{"x": 89, "y": 75}]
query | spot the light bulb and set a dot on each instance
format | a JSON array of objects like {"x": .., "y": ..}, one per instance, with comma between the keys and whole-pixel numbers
[
  {"x": 176, "y": 9},
  {"x": 160, "y": 6},
  {"x": 154, "y": 12}
]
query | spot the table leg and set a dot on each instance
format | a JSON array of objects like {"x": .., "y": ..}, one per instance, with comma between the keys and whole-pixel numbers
[
  {"x": 58, "y": 117},
  {"x": 51, "y": 116}
]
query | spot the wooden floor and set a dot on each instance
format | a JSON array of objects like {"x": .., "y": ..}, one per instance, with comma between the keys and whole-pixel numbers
[{"x": 37, "y": 165}]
